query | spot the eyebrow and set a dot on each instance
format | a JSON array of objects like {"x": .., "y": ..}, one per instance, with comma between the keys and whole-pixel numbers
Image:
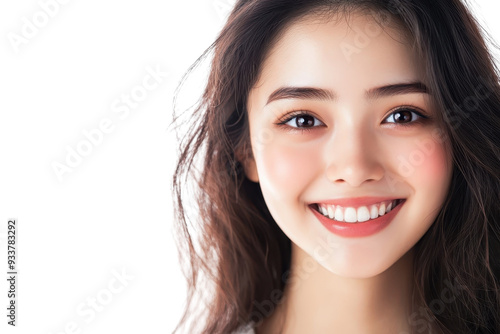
[{"x": 291, "y": 92}]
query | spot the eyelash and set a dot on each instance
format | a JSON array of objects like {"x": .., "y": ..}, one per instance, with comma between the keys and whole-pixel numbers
[
  {"x": 291, "y": 115},
  {"x": 422, "y": 118}
]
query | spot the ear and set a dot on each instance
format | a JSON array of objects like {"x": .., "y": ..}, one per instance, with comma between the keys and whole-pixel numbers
[{"x": 249, "y": 165}]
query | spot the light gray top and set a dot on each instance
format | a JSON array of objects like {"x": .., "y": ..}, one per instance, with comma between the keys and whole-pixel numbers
[{"x": 248, "y": 329}]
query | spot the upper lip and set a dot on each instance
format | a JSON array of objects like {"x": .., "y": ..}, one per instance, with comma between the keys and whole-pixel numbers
[{"x": 357, "y": 201}]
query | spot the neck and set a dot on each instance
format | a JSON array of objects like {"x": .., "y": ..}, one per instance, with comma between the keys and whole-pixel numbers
[{"x": 322, "y": 302}]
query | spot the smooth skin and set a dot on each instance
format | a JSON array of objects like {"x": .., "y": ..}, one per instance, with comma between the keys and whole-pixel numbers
[{"x": 347, "y": 143}]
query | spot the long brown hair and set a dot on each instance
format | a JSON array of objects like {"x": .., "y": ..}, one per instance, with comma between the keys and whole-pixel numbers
[{"x": 233, "y": 241}]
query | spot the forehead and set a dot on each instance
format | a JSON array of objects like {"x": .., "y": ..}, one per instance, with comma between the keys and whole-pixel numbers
[{"x": 348, "y": 54}]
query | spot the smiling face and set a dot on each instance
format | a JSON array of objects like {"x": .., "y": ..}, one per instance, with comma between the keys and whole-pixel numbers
[{"x": 341, "y": 126}]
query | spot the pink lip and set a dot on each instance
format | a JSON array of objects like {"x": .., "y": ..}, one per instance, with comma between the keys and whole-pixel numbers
[
  {"x": 356, "y": 230},
  {"x": 356, "y": 201}
]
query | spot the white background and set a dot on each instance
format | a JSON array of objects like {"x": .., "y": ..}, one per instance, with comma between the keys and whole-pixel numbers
[{"x": 113, "y": 211}]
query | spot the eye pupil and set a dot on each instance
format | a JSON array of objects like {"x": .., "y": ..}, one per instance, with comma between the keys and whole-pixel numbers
[
  {"x": 305, "y": 121},
  {"x": 403, "y": 116}
]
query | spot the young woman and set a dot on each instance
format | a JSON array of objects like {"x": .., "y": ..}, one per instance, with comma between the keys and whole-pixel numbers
[{"x": 346, "y": 158}]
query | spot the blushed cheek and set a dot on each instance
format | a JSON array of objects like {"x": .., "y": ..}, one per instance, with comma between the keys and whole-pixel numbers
[
  {"x": 285, "y": 169},
  {"x": 425, "y": 163},
  {"x": 436, "y": 175},
  {"x": 438, "y": 165}
]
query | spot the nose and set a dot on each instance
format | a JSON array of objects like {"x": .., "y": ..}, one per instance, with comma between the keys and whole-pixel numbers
[{"x": 354, "y": 158}]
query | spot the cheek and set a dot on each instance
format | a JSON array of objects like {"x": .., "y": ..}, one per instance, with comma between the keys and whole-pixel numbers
[
  {"x": 436, "y": 169},
  {"x": 286, "y": 168},
  {"x": 424, "y": 160},
  {"x": 425, "y": 165}
]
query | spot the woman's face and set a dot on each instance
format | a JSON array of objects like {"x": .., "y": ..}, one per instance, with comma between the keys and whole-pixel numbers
[{"x": 341, "y": 127}]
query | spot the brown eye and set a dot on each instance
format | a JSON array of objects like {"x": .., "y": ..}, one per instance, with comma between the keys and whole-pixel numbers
[
  {"x": 403, "y": 116},
  {"x": 302, "y": 121}
]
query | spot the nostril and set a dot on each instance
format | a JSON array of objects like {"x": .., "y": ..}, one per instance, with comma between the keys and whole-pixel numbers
[{"x": 354, "y": 171}]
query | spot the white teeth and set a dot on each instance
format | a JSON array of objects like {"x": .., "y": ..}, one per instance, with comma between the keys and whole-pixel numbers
[
  {"x": 363, "y": 214},
  {"x": 331, "y": 213},
  {"x": 339, "y": 214},
  {"x": 381, "y": 209},
  {"x": 389, "y": 207},
  {"x": 373, "y": 212},
  {"x": 350, "y": 215},
  {"x": 360, "y": 214}
]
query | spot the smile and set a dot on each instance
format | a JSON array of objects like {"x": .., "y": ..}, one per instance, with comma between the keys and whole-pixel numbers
[
  {"x": 359, "y": 214},
  {"x": 357, "y": 217}
]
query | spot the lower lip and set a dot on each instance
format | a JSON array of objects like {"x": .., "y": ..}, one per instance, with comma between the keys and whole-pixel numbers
[{"x": 356, "y": 230}]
